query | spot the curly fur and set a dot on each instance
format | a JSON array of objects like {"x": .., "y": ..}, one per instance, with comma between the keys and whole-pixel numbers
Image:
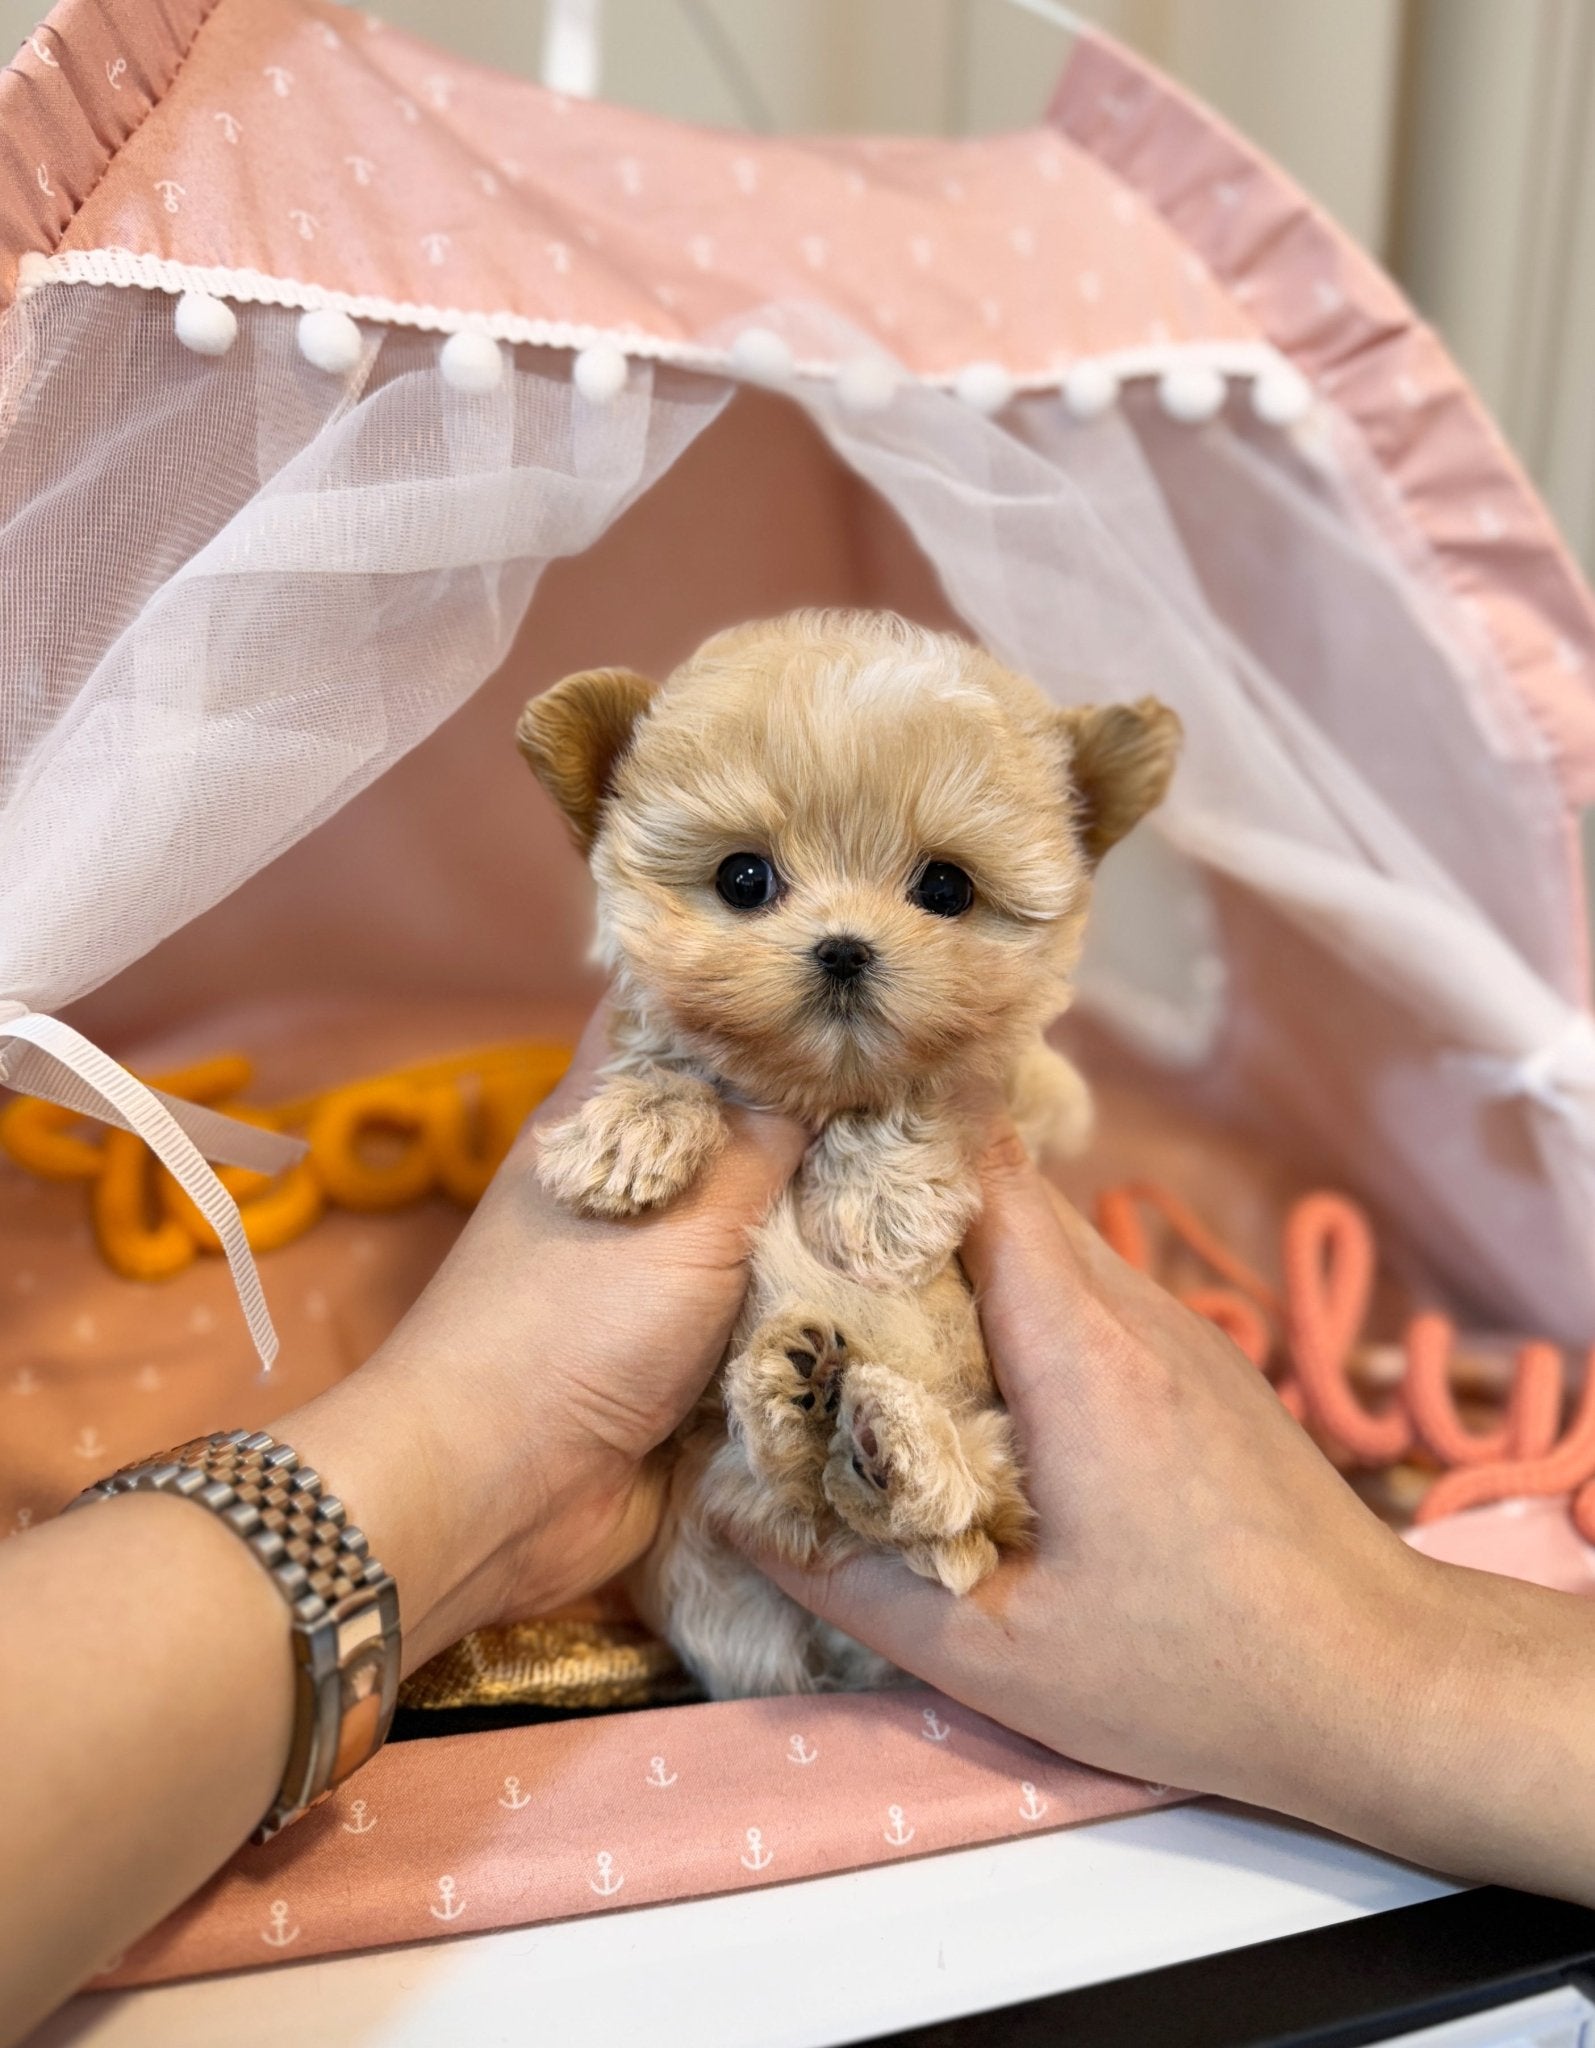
[{"x": 855, "y": 1408}]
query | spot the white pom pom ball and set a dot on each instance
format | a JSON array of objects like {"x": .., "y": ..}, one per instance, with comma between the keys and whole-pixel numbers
[
  {"x": 866, "y": 384},
  {"x": 600, "y": 372},
  {"x": 330, "y": 341},
  {"x": 761, "y": 354},
  {"x": 208, "y": 326},
  {"x": 1090, "y": 390},
  {"x": 1192, "y": 393},
  {"x": 1281, "y": 395},
  {"x": 986, "y": 386},
  {"x": 472, "y": 361}
]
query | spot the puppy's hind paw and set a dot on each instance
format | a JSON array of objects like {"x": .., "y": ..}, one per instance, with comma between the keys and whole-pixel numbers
[{"x": 639, "y": 1142}]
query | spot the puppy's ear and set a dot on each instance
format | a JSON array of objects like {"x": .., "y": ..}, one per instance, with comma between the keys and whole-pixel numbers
[
  {"x": 1121, "y": 757},
  {"x": 575, "y": 734}
]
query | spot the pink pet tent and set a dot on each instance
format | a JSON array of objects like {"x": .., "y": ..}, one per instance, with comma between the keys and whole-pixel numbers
[{"x": 318, "y": 348}]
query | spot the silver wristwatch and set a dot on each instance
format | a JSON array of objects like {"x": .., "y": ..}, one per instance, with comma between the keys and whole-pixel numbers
[{"x": 344, "y": 1606}]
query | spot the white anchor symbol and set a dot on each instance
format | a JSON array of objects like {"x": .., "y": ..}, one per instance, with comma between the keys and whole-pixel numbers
[
  {"x": 513, "y": 1797},
  {"x": 629, "y": 172},
  {"x": 934, "y": 1730},
  {"x": 408, "y": 108},
  {"x": 114, "y": 71},
  {"x": 438, "y": 89},
  {"x": 43, "y": 177},
  {"x": 282, "y": 80},
  {"x": 359, "y": 1822},
  {"x": 1157, "y": 1791},
  {"x": 559, "y": 256},
  {"x": 758, "y": 1857},
  {"x": 451, "y": 1908},
  {"x": 23, "y": 1521},
  {"x": 922, "y": 249},
  {"x": 279, "y": 1933},
  {"x": 745, "y": 174},
  {"x": 88, "y": 1444},
  {"x": 436, "y": 247},
  {"x": 1034, "y": 1805},
  {"x": 815, "y": 250},
  {"x": 306, "y": 223},
  {"x": 329, "y": 35},
  {"x": 488, "y": 183},
  {"x": 26, "y": 1381},
  {"x": 607, "y": 1882},
  {"x": 230, "y": 126},
  {"x": 43, "y": 52},
  {"x": 799, "y": 1752},
  {"x": 361, "y": 167},
  {"x": 657, "y": 1774},
  {"x": 170, "y": 192},
  {"x": 897, "y": 1834},
  {"x": 701, "y": 249},
  {"x": 511, "y": 167}
]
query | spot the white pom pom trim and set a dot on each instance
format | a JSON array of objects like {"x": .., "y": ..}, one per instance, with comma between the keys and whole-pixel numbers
[
  {"x": 599, "y": 373},
  {"x": 866, "y": 384},
  {"x": 1192, "y": 393},
  {"x": 471, "y": 361},
  {"x": 330, "y": 341},
  {"x": 208, "y": 326},
  {"x": 1090, "y": 390},
  {"x": 986, "y": 386},
  {"x": 1281, "y": 395},
  {"x": 762, "y": 356}
]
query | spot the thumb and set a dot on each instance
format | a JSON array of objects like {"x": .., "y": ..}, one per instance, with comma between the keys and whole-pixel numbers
[
  {"x": 1028, "y": 1259},
  {"x": 878, "y": 1601}
]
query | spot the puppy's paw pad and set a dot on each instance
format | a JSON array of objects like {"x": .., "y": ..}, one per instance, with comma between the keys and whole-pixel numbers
[{"x": 815, "y": 1353}]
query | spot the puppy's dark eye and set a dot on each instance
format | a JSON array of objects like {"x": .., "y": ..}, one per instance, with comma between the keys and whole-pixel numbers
[
  {"x": 747, "y": 881},
  {"x": 942, "y": 889}
]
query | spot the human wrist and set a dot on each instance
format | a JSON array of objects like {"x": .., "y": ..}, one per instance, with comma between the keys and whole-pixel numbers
[{"x": 428, "y": 1491}]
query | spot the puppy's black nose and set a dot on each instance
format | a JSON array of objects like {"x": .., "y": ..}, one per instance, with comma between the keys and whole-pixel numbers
[{"x": 843, "y": 958}]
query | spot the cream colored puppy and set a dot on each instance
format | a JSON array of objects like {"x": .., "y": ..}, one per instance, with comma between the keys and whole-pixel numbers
[{"x": 843, "y": 868}]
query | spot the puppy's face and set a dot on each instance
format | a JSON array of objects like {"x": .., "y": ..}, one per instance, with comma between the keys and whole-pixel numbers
[{"x": 838, "y": 858}]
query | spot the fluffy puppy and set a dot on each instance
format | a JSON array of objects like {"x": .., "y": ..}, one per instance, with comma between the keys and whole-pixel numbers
[{"x": 843, "y": 867}]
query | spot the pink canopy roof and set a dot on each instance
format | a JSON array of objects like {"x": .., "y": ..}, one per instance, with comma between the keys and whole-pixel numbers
[{"x": 308, "y": 155}]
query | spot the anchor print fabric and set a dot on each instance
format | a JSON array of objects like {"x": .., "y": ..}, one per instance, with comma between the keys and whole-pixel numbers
[{"x": 471, "y": 1832}]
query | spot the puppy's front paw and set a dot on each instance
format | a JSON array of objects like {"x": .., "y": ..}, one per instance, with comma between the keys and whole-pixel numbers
[
  {"x": 639, "y": 1142},
  {"x": 887, "y": 1200}
]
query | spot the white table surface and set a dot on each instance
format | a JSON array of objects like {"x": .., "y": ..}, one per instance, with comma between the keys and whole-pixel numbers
[{"x": 829, "y": 1960}]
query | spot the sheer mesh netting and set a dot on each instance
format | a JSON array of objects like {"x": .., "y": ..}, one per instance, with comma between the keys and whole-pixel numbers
[{"x": 232, "y": 594}]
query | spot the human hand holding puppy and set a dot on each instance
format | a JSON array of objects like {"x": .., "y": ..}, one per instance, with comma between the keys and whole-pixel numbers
[{"x": 1209, "y": 1605}]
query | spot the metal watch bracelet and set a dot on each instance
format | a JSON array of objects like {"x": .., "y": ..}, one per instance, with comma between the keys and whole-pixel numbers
[{"x": 344, "y": 1607}]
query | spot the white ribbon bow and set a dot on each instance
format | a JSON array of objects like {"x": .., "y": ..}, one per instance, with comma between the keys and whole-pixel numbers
[{"x": 40, "y": 1055}]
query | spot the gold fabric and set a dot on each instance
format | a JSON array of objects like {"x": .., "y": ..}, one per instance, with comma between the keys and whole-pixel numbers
[{"x": 557, "y": 1662}]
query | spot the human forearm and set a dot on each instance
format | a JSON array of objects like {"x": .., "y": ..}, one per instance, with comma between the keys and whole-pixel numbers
[
  {"x": 146, "y": 1711},
  {"x": 1477, "y": 1756}
]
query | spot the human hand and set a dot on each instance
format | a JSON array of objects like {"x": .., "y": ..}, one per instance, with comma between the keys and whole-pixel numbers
[
  {"x": 502, "y": 1448},
  {"x": 1209, "y": 1605}
]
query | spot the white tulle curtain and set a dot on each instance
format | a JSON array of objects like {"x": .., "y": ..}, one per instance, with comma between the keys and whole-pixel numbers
[
  {"x": 1357, "y": 773},
  {"x": 232, "y": 592}
]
